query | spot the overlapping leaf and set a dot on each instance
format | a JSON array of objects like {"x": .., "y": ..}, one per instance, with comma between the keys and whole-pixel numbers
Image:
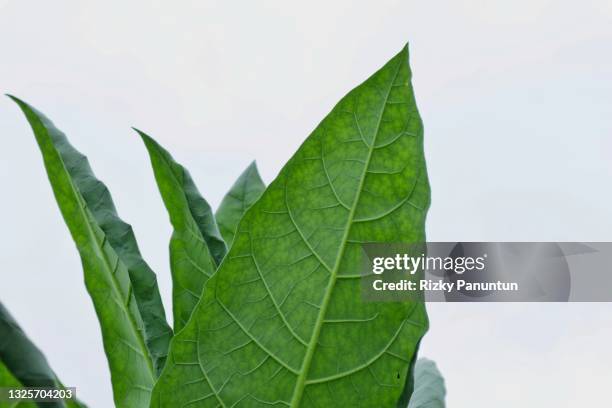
[
  {"x": 282, "y": 322},
  {"x": 22, "y": 364},
  {"x": 123, "y": 288},
  {"x": 429, "y": 388},
  {"x": 196, "y": 246},
  {"x": 243, "y": 194}
]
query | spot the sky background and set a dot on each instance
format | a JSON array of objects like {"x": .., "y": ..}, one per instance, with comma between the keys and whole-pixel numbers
[{"x": 516, "y": 97}]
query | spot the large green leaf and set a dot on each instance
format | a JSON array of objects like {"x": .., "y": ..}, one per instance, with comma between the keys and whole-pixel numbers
[
  {"x": 196, "y": 246},
  {"x": 282, "y": 321},
  {"x": 123, "y": 288},
  {"x": 245, "y": 191},
  {"x": 429, "y": 389},
  {"x": 22, "y": 364}
]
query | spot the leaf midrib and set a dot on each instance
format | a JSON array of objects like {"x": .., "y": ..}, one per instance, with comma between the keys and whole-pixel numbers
[{"x": 301, "y": 381}]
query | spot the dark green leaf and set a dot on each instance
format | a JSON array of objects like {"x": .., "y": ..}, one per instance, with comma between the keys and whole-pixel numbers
[
  {"x": 429, "y": 389},
  {"x": 245, "y": 191},
  {"x": 196, "y": 246},
  {"x": 22, "y": 364},
  {"x": 123, "y": 288},
  {"x": 282, "y": 321}
]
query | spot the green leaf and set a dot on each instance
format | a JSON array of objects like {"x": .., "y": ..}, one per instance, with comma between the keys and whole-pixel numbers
[
  {"x": 196, "y": 246},
  {"x": 282, "y": 321},
  {"x": 429, "y": 389},
  {"x": 245, "y": 191},
  {"x": 123, "y": 288},
  {"x": 9, "y": 381},
  {"x": 22, "y": 364}
]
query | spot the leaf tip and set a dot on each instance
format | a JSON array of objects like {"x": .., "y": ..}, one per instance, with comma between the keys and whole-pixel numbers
[
  {"x": 24, "y": 106},
  {"x": 253, "y": 171},
  {"x": 15, "y": 99},
  {"x": 405, "y": 51},
  {"x": 145, "y": 138}
]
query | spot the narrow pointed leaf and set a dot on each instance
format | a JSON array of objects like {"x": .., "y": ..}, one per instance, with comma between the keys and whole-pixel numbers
[
  {"x": 123, "y": 288},
  {"x": 282, "y": 321},
  {"x": 243, "y": 194},
  {"x": 22, "y": 364},
  {"x": 196, "y": 246},
  {"x": 429, "y": 388}
]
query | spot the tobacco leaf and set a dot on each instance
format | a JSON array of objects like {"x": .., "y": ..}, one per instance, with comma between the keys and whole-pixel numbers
[
  {"x": 122, "y": 286},
  {"x": 282, "y": 321},
  {"x": 22, "y": 364},
  {"x": 246, "y": 190},
  {"x": 196, "y": 245}
]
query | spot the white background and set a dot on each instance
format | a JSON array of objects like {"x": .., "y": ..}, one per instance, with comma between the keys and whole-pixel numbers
[{"x": 516, "y": 98}]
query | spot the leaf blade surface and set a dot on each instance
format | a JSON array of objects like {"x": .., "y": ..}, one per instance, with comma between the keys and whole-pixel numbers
[
  {"x": 196, "y": 245},
  {"x": 246, "y": 190},
  {"x": 123, "y": 288},
  {"x": 282, "y": 322}
]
